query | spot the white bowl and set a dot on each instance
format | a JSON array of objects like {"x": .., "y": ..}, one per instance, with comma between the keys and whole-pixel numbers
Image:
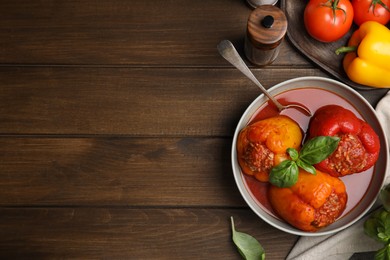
[{"x": 358, "y": 203}]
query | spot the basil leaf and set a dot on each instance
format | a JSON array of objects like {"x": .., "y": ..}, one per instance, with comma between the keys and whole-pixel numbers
[
  {"x": 248, "y": 246},
  {"x": 293, "y": 153},
  {"x": 384, "y": 196},
  {"x": 370, "y": 228},
  {"x": 307, "y": 167},
  {"x": 314, "y": 151},
  {"x": 378, "y": 226},
  {"x": 285, "y": 174},
  {"x": 318, "y": 149},
  {"x": 383, "y": 253}
]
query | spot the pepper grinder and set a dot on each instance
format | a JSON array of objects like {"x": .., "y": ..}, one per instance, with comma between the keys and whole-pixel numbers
[{"x": 266, "y": 28}]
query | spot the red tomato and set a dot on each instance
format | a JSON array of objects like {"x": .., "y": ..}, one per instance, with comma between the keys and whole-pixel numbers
[
  {"x": 371, "y": 10},
  {"x": 328, "y": 20}
]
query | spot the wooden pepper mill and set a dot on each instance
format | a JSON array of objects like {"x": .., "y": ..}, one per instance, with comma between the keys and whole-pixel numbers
[{"x": 266, "y": 28}]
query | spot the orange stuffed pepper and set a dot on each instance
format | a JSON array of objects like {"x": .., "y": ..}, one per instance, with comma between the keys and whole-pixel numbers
[
  {"x": 314, "y": 202},
  {"x": 263, "y": 144}
]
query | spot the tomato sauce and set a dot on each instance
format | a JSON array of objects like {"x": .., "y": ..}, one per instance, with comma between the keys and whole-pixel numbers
[{"x": 356, "y": 184}]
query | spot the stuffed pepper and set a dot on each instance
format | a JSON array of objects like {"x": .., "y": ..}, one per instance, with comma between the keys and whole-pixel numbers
[
  {"x": 314, "y": 202},
  {"x": 263, "y": 144},
  {"x": 359, "y": 145}
]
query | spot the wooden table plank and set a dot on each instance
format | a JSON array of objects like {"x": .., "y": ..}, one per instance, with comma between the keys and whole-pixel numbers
[
  {"x": 132, "y": 101},
  {"x": 136, "y": 33},
  {"x": 134, "y": 233},
  {"x": 129, "y": 101},
  {"x": 117, "y": 172}
]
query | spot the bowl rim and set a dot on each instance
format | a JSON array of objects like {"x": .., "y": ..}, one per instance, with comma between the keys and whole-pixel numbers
[{"x": 238, "y": 176}]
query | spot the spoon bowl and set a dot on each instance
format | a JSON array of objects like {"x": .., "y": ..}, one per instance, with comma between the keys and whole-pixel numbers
[{"x": 227, "y": 50}]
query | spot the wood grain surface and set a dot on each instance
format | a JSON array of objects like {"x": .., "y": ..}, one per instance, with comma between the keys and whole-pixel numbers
[
  {"x": 120, "y": 32},
  {"x": 116, "y": 123},
  {"x": 128, "y": 233}
]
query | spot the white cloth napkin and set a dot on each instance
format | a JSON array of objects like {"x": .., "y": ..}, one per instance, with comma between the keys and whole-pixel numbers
[{"x": 344, "y": 244}]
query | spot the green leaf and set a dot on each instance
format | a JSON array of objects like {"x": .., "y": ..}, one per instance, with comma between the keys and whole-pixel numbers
[
  {"x": 248, "y": 246},
  {"x": 318, "y": 149},
  {"x": 293, "y": 153},
  {"x": 370, "y": 227},
  {"x": 314, "y": 151},
  {"x": 285, "y": 174},
  {"x": 384, "y": 196},
  {"x": 307, "y": 167},
  {"x": 377, "y": 226},
  {"x": 383, "y": 253},
  {"x": 382, "y": 236}
]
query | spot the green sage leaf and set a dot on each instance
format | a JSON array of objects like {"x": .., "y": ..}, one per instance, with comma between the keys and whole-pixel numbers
[
  {"x": 307, "y": 167},
  {"x": 318, "y": 149},
  {"x": 285, "y": 174},
  {"x": 248, "y": 246}
]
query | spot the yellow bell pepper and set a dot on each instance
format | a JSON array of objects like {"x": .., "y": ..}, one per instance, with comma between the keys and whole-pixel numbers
[{"x": 367, "y": 60}]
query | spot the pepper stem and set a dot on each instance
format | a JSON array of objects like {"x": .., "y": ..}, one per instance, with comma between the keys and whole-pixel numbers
[{"x": 345, "y": 49}]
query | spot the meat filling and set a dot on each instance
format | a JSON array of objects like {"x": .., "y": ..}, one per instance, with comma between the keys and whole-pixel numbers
[
  {"x": 258, "y": 157},
  {"x": 331, "y": 209},
  {"x": 349, "y": 157}
]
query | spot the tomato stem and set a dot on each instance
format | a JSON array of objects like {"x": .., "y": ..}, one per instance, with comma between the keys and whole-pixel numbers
[
  {"x": 375, "y": 2},
  {"x": 333, "y": 4},
  {"x": 345, "y": 49}
]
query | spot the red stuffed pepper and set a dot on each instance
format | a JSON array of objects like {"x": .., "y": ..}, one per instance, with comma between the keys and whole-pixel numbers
[{"x": 359, "y": 145}]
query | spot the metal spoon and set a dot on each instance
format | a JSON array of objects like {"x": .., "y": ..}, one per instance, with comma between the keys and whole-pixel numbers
[{"x": 227, "y": 50}]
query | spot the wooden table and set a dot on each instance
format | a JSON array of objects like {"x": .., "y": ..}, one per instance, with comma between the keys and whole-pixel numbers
[{"x": 116, "y": 122}]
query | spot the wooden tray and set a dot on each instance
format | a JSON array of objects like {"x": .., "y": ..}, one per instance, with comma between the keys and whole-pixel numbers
[{"x": 322, "y": 54}]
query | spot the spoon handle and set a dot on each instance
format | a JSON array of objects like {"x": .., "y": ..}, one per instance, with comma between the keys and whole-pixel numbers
[{"x": 227, "y": 50}]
